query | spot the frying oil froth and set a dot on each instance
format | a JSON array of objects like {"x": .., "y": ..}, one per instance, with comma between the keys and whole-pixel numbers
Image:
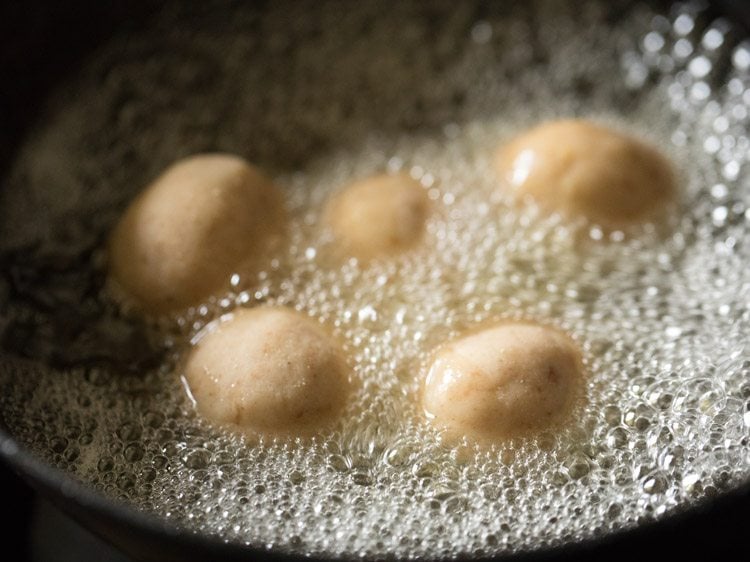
[{"x": 661, "y": 317}]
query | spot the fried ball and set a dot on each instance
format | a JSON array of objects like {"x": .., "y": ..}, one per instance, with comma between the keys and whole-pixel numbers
[
  {"x": 205, "y": 218},
  {"x": 503, "y": 381},
  {"x": 579, "y": 168},
  {"x": 379, "y": 216},
  {"x": 268, "y": 370}
]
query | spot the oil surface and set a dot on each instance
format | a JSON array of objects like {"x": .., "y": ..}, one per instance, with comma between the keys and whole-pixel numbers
[{"x": 322, "y": 97}]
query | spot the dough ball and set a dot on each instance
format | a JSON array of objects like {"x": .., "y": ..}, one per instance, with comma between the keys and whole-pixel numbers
[
  {"x": 578, "y": 168},
  {"x": 503, "y": 381},
  {"x": 204, "y": 218},
  {"x": 379, "y": 216},
  {"x": 269, "y": 370}
]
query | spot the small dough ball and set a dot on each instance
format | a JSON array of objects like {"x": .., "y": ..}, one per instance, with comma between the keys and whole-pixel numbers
[
  {"x": 378, "y": 216},
  {"x": 503, "y": 381},
  {"x": 578, "y": 168},
  {"x": 204, "y": 218},
  {"x": 269, "y": 370}
]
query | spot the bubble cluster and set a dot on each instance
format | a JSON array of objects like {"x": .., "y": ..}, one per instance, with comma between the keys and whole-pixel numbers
[{"x": 661, "y": 313}]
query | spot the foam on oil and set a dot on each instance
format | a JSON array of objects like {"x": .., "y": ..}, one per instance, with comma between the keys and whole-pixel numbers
[{"x": 320, "y": 101}]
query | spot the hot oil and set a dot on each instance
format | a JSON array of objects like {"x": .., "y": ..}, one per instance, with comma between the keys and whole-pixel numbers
[{"x": 661, "y": 313}]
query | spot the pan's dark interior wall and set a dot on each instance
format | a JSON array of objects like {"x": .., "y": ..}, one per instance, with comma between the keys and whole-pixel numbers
[{"x": 39, "y": 41}]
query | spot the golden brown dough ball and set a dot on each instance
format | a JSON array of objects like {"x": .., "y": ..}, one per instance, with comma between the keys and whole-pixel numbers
[
  {"x": 503, "y": 381},
  {"x": 379, "y": 216},
  {"x": 268, "y": 370},
  {"x": 205, "y": 218},
  {"x": 579, "y": 168}
]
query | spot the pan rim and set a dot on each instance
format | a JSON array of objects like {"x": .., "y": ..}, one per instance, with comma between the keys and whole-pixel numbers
[{"x": 55, "y": 484}]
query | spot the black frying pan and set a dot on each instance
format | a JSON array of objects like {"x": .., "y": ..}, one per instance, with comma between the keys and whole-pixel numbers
[{"x": 39, "y": 43}]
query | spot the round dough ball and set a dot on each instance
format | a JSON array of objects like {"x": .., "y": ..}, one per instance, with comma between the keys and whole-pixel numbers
[
  {"x": 270, "y": 370},
  {"x": 205, "y": 218},
  {"x": 503, "y": 381},
  {"x": 378, "y": 216},
  {"x": 578, "y": 168}
]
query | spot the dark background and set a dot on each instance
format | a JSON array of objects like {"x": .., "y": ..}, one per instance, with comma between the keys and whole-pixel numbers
[{"x": 15, "y": 513}]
